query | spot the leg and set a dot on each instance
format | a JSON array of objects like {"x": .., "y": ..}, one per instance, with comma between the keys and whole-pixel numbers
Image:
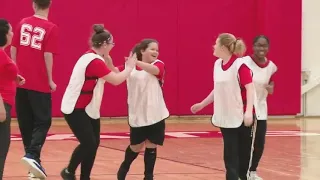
[
  {"x": 80, "y": 124},
  {"x": 87, "y": 163},
  {"x": 24, "y": 116},
  {"x": 156, "y": 135},
  {"x": 150, "y": 156},
  {"x": 41, "y": 108},
  {"x": 231, "y": 156},
  {"x": 259, "y": 143},
  {"x": 137, "y": 140},
  {"x": 5, "y": 138},
  {"x": 245, "y": 144}
]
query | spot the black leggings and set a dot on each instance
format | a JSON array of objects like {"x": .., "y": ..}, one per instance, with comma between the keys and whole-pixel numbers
[
  {"x": 259, "y": 142},
  {"x": 4, "y": 138},
  {"x": 87, "y": 131},
  {"x": 237, "y": 146}
]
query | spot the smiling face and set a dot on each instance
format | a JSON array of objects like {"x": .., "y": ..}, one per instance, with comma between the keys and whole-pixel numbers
[
  {"x": 151, "y": 53},
  {"x": 261, "y": 47},
  {"x": 147, "y": 50}
]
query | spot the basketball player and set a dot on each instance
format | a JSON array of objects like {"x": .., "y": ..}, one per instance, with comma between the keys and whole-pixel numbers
[
  {"x": 233, "y": 99},
  {"x": 8, "y": 78},
  {"x": 33, "y": 50},
  {"x": 263, "y": 70},
  {"x": 147, "y": 108},
  {"x": 82, "y": 99}
]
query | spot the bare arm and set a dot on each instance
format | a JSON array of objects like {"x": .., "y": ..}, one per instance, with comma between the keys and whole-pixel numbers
[
  {"x": 48, "y": 57},
  {"x": 250, "y": 96},
  {"x": 150, "y": 68},
  {"x": 112, "y": 67},
  {"x": 208, "y": 100},
  {"x": 117, "y": 78},
  {"x": 13, "y": 52},
  {"x": 110, "y": 64}
]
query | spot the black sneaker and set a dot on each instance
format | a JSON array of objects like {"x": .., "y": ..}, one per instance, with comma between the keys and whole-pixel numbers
[{"x": 67, "y": 175}]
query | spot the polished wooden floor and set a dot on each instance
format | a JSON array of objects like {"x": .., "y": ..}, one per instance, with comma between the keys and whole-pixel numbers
[{"x": 192, "y": 151}]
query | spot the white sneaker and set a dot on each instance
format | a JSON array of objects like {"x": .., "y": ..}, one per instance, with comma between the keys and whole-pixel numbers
[
  {"x": 34, "y": 167},
  {"x": 254, "y": 176},
  {"x": 32, "y": 176}
]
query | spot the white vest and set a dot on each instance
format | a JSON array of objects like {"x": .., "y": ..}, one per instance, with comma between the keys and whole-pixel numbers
[
  {"x": 228, "y": 104},
  {"x": 74, "y": 88},
  {"x": 145, "y": 99},
  {"x": 261, "y": 78}
]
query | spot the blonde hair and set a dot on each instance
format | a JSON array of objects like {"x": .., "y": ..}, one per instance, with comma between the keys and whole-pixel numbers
[{"x": 235, "y": 45}]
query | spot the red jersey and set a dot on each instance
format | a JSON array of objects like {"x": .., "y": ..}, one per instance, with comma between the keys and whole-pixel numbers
[
  {"x": 33, "y": 37},
  {"x": 245, "y": 77},
  {"x": 96, "y": 69},
  {"x": 8, "y": 76}
]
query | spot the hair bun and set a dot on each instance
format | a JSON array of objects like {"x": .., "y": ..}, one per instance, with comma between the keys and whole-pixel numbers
[{"x": 98, "y": 28}]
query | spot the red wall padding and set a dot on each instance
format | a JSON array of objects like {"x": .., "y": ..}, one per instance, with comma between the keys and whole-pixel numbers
[{"x": 186, "y": 30}]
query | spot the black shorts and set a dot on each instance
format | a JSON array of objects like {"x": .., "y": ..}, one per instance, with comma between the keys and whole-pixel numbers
[{"x": 155, "y": 133}]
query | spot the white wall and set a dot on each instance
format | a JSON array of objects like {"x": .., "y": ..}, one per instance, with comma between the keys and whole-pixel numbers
[
  {"x": 310, "y": 51},
  {"x": 311, "y": 61}
]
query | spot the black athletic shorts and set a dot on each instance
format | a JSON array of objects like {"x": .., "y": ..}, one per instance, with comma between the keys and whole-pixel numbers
[{"x": 155, "y": 133}]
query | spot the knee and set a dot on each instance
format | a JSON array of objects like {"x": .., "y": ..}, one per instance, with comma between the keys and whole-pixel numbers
[
  {"x": 137, "y": 148},
  {"x": 150, "y": 145},
  {"x": 90, "y": 146},
  {"x": 46, "y": 124},
  {"x": 95, "y": 145}
]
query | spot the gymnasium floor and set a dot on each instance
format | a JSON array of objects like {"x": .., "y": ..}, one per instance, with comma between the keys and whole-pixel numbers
[{"x": 192, "y": 151}]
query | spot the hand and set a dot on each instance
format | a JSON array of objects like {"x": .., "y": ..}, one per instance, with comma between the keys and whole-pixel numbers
[
  {"x": 130, "y": 54},
  {"x": 131, "y": 61},
  {"x": 248, "y": 118},
  {"x": 3, "y": 113},
  {"x": 196, "y": 108},
  {"x": 269, "y": 88},
  {"x": 53, "y": 86},
  {"x": 20, "y": 80}
]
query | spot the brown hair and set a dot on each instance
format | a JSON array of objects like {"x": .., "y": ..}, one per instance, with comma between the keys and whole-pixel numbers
[
  {"x": 42, "y": 4},
  {"x": 141, "y": 46},
  {"x": 235, "y": 45},
  {"x": 100, "y": 36},
  {"x": 4, "y": 30}
]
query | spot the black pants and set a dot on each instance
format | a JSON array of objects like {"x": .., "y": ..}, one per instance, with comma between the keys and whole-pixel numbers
[
  {"x": 259, "y": 143},
  {"x": 4, "y": 138},
  {"x": 34, "y": 118},
  {"x": 237, "y": 146},
  {"x": 87, "y": 131}
]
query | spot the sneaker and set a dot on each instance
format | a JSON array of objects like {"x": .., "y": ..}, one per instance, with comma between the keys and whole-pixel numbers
[
  {"x": 34, "y": 167},
  {"x": 32, "y": 176},
  {"x": 67, "y": 175},
  {"x": 254, "y": 176}
]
